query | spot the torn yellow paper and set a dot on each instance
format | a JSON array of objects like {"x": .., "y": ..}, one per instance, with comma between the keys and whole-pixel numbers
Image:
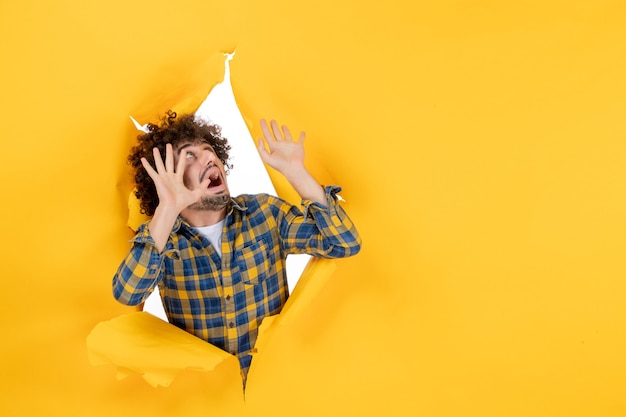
[
  {"x": 313, "y": 279},
  {"x": 481, "y": 148},
  {"x": 158, "y": 351},
  {"x": 135, "y": 216}
]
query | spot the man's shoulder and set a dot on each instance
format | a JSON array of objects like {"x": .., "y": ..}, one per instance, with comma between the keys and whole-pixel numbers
[
  {"x": 253, "y": 200},
  {"x": 251, "y": 204}
]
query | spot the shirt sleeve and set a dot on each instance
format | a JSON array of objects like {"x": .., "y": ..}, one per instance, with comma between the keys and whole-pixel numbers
[
  {"x": 141, "y": 271},
  {"x": 321, "y": 231}
]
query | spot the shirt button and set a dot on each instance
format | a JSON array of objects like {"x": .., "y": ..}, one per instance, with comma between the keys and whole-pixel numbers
[
  {"x": 228, "y": 297},
  {"x": 231, "y": 324}
]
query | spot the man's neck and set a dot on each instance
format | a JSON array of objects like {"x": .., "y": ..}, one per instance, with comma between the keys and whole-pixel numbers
[{"x": 201, "y": 218}]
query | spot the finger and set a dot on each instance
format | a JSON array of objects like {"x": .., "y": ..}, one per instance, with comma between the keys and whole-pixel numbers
[
  {"x": 158, "y": 162},
  {"x": 260, "y": 144},
  {"x": 199, "y": 190},
  {"x": 151, "y": 172},
  {"x": 182, "y": 161},
  {"x": 287, "y": 134},
  {"x": 204, "y": 184},
  {"x": 301, "y": 138},
  {"x": 169, "y": 158},
  {"x": 277, "y": 133},
  {"x": 266, "y": 131},
  {"x": 262, "y": 151}
]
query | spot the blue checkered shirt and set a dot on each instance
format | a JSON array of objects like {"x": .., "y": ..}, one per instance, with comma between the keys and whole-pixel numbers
[{"x": 223, "y": 301}]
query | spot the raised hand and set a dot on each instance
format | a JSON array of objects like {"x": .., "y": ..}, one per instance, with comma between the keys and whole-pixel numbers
[
  {"x": 287, "y": 156},
  {"x": 282, "y": 153},
  {"x": 173, "y": 194}
]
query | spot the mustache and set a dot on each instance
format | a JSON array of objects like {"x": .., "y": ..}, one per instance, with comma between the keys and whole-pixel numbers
[{"x": 209, "y": 166}]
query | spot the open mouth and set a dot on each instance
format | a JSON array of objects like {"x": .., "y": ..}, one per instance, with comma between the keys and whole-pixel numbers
[
  {"x": 214, "y": 176},
  {"x": 215, "y": 181}
]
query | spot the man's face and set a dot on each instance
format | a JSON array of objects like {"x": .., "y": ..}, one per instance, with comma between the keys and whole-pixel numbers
[{"x": 201, "y": 162}]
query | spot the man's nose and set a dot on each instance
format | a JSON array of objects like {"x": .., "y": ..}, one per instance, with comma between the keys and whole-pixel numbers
[{"x": 206, "y": 157}]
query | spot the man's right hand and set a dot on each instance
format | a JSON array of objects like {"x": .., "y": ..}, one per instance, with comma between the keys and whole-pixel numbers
[
  {"x": 169, "y": 183},
  {"x": 174, "y": 196}
]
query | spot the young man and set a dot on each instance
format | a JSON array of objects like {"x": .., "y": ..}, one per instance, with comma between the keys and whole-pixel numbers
[{"x": 219, "y": 261}]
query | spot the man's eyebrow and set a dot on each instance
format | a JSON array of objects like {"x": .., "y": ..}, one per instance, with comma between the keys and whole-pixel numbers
[
  {"x": 186, "y": 145},
  {"x": 203, "y": 145}
]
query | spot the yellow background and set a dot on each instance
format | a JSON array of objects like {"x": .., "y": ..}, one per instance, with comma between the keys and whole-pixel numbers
[{"x": 481, "y": 147}]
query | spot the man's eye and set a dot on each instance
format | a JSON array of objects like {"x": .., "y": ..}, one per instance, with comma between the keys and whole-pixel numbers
[{"x": 189, "y": 155}]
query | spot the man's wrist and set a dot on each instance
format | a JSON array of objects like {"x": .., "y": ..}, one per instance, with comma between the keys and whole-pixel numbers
[
  {"x": 296, "y": 174},
  {"x": 166, "y": 211}
]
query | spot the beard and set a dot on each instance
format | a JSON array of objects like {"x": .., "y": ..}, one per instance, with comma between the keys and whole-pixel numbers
[{"x": 214, "y": 203}]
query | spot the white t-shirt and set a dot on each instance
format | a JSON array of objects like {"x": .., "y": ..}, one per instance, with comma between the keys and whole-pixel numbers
[{"x": 214, "y": 234}]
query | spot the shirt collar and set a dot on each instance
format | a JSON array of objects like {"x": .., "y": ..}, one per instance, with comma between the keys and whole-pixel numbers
[
  {"x": 238, "y": 205},
  {"x": 234, "y": 204}
]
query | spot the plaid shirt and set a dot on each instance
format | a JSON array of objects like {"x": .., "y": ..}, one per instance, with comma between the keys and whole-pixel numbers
[{"x": 223, "y": 301}]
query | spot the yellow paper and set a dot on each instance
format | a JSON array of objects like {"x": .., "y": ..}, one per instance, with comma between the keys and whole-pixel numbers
[
  {"x": 301, "y": 302},
  {"x": 158, "y": 351},
  {"x": 481, "y": 148}
]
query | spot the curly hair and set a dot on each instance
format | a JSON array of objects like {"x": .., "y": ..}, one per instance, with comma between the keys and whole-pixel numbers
[{"x": 173, "y": 129}]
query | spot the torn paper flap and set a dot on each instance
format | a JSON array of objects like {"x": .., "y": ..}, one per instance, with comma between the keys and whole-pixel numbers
[{"x": 158, "y": 351}]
